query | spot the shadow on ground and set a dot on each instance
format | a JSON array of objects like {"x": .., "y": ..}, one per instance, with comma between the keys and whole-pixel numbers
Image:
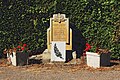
[
  {"x": 113, "y": 64},
  {"x": 35, "y": 61}
]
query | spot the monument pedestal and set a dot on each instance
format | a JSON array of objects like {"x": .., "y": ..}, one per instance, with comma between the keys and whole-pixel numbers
[{"x": 58, "y": 52}]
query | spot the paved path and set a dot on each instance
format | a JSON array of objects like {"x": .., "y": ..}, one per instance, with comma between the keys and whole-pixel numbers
[{"x": 59, "y": 72}]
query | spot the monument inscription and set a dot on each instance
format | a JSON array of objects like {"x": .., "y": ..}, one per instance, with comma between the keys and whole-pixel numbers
[{"x": 59, "y": 32}]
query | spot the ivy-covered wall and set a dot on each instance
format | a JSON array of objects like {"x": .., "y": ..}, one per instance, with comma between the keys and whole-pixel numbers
[{"x": 27, "y": 21}]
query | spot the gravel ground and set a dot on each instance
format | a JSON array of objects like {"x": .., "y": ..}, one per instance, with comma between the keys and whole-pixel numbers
[{"x": 60, "y": 71}]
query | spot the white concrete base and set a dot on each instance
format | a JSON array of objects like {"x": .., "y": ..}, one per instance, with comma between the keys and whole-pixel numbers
[
  {"x": 58, "y": 51},
  {"x": 96, "y": 60}
]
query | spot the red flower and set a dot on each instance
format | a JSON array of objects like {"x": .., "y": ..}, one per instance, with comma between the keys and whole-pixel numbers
[
  {"x": 24, "y": 45},
  {"x": 19, "y": 47},
  {"x": 88, "y": 47},
  {"x": 14, "y": 48},
  {"x": 23, "y": 48}
]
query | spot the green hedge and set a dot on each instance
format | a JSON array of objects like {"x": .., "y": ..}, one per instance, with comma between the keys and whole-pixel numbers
[{"x": 27, "y": 21}]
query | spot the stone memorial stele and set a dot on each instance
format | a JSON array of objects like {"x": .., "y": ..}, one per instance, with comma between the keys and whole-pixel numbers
[
  {"x": 58, "y": 34},
  {"x": 59, "y": 31}
]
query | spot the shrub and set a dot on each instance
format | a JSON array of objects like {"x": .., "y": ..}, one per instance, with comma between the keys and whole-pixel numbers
[{"x": 27, "y": 21}]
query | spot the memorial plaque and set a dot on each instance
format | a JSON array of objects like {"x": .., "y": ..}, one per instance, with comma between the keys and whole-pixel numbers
[{"x": 59, "y": 31}]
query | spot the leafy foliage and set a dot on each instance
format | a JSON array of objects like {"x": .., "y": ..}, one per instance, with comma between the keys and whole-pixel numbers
[{"x": 28, "y": 20}]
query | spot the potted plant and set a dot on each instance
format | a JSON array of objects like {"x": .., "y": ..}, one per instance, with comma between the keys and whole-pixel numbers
[
  {"x": 98, "y": 57},
  {"x": 20, "y": 55}
]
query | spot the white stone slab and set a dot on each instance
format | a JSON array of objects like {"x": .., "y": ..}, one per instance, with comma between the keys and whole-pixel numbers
[{"x": 58, "y": 51}]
